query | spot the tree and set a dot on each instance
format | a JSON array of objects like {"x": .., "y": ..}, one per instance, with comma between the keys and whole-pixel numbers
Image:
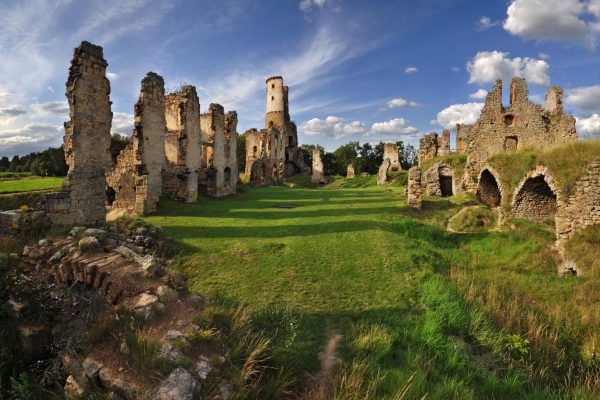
[
  {"x": 344, "y": 155},
  {"x": 307, "y": 152},
  {"x": 241, "y": 152}
]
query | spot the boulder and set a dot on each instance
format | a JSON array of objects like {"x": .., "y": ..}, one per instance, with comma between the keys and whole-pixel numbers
[
  {"x": 180, "y": 385},
  {"x": 73, "y": 390},
  {"x": 166, "y": 294},
  {"x": 150, "y": 264},
  {"x": 168, "y": 352},
  {"x": 99, "y": 234},
  {"x": 76, "y": 231},
  {"x": 92, "y": 367},
  {"x": 203, "y": 367},
  {"x": 112, "y": 381},
  {"x": 145, "y": 305},
  {"x": 88, "y": 243}
]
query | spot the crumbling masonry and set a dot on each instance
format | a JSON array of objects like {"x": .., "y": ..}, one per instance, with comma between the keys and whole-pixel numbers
[
  {"x": 273, "y": 153},
  {"x": 390, "y": 151},
  {"x": 219, "y": 162},
  {"x": 414, "y": 188},
  {"x": 86, "y": 141},
  {"x": 318, "y": 170},
  {"x": 135, "y": 183},
  {"x": 182, "y": 144}
]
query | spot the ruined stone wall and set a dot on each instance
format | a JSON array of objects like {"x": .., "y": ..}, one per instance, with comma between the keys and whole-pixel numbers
[
  {"x": 434, "y": 180},
  {"x": 318, "y": 171},
  {"x": 382, "y": 177},
  {"x": 264, "y": 156},
  {"x": 86, "y": 140},
  {"x": 350, "y": 172},
  {"x": 217, "y": 174},
  {"x": 390, "y": 151},
  {"x": 428, "y": 148},
  {"x": 581, "y": 208},
  {"x": 462, "y": 137},
  {"x": 414, "y": 188},
  {"x": 182, "y": 144},
  {"x": 521, "y": 125},
  {"x": 444, "y": 144},
  {"x": 135, "y": 183}
]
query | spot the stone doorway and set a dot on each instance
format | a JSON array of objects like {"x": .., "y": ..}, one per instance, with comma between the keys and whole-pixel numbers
[
  {"x": 488, "y": 191},
  {"x": 446, "y": 185}
]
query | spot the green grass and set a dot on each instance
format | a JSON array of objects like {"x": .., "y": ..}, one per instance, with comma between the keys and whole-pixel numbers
[
  {"x": 30, "y": 184},
  {"x": 457, "y": 161},
  {"x": 472, "y": 219},
  {"x": 13, "y": 175},
  {"x": 314, "y": 262}
]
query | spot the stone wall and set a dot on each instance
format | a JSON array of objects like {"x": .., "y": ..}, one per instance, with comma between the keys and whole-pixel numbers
[
  {"x": 390, "y": 151},
  {"x": 444, "y": 144},
  {"x": 318, "y": 172},
  {"x": 183, "y": 147},
  {"x": 86, "y": 140},
  {"x": 218, "y": 171},
  {"x": 264, "y": 156},
  {"x": 489, "y": 188},
  {"x": 20, "y": 222},
  {"x": 382, "y": 177},
  {"x": 428, "y": 148},
  {"x": 521, "y": 125},
  {"x": 414, "y": 188},
  {"x": 581, "y": 208},
  {"x": 440, "y": 180},
  {"x": 350, "y": 172},
  {"x": 135, "y": 183},
  {"x": 463, "y": 132}
]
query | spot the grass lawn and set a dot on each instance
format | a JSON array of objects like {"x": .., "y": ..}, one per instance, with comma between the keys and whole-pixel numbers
[
  {"x": 315, "y": 262},
  {"x": 30, "y": 184}
]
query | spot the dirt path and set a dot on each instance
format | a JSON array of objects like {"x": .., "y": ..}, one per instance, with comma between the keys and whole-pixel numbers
[{"x": 328, "y": 359}]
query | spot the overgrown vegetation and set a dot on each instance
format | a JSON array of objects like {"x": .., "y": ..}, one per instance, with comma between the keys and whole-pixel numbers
[{"x": 457, "y": 161}]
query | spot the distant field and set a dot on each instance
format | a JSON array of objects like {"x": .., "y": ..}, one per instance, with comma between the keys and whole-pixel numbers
[
  {"x": 30, "y": 184},
  {"x": 13, "y": 175}
]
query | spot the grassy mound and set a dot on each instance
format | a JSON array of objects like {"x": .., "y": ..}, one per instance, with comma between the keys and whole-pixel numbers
[
  {"x": 566, "y": 163},
  {"x": 472, "y": 219},
  {"x": 583, "y": 248}
]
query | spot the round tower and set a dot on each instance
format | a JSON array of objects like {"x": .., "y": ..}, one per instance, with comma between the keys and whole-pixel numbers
[{"x": 276, "y": 103}]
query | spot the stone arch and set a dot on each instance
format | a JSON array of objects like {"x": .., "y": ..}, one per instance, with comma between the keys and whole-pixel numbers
[
  {"x": 446, "y": 180},
  {"x": 536, "y": 197},
  {"x": 489, "y": 190}
]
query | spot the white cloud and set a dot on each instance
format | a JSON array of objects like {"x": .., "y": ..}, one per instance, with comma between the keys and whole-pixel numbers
[
  {"x": 57, "y": 108},
  {"x": 11, "y": 111},
  {"x": 467, "y": 113},
  {"x": 589, "y": 126},
  {"x": 122, "y": 123},
  {"x": 479, "y": 94},
  {"x": 335, "y": 127},
  {"x": 487, "y": 66},
  {"x": 584, "y": 98},
  {"x": 544, "y": 56},
  {"x": 402, "y": 103},
  {"x": 411, "y": 70},
  {"x": 455, "y": 69},
  {"x": 486, "y": 23},
  {"x": 112, "y": 76},
  {"x": 306, "y": 5},
  {"x": 31, "y": 137},
  {"x": 396, "y": 126},
  {"x": 545, "y": 20}
]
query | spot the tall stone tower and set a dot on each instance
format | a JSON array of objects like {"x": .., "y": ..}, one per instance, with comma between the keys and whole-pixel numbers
[{"x": 277, "y": 104}]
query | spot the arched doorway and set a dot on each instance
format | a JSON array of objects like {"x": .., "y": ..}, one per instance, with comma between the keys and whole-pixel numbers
[
  {"x": 488, "y": 191},
  {"x": 446, "y": 176},
  {"x": 535, "y": 200}
]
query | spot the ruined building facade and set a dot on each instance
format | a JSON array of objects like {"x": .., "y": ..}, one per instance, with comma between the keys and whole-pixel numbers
[
  {"x": 135, "y": 182},
  {"x": 182, "y": 144},
  {"x": 219, "y": 172},
  {"x": 432, "y": 146},
  {"x": 86, "y": 141},
  {"x": 520, "y": 125},
  {"x": 390, "y": 151},
  {"x": 275, "y": 148}
]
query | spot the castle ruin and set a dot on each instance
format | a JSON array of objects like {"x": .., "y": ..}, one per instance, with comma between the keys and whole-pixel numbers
[
  {"x": 219, "y": 144},
  {"x": 135, "y": 182},
  {"x": 86, "y": 141},
  {"x": 318, "y": 170},
  {"x": 182, "y": 144}
]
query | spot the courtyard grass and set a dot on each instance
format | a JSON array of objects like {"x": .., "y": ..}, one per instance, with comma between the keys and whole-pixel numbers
[
  {"x": 399, "y": 288},
  {"x": 29, "y": 184}
]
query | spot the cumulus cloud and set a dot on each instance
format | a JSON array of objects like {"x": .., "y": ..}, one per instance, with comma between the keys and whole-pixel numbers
[
  {"x": 544, "y": 56},
  {"x": 402, "y": 103},
  {"x": 411, "y": 70},
  {"x": 467, "y": 113},
  {"x": 486, "y": 23},
  {"x": 487, "y": 66},
  {"x": 584, "y": 98},
  {"x": 545, "y": 20},
  {"x": 58, "y": 108},
  {"x": 31, "y": 137},
  {"x": 396, "y": 126},
  {"x": 589, "y": 126},
  {"x": 335, "y": 127},
  {"x": 112, "y": 76},
  {"x": 122, "y": 123},
  {"x": 11, "y": 111},
  {"x": 479, "y": 94}
]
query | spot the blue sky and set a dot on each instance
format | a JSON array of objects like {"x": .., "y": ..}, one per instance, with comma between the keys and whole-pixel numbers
[{"x": 357, "y": 70}]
